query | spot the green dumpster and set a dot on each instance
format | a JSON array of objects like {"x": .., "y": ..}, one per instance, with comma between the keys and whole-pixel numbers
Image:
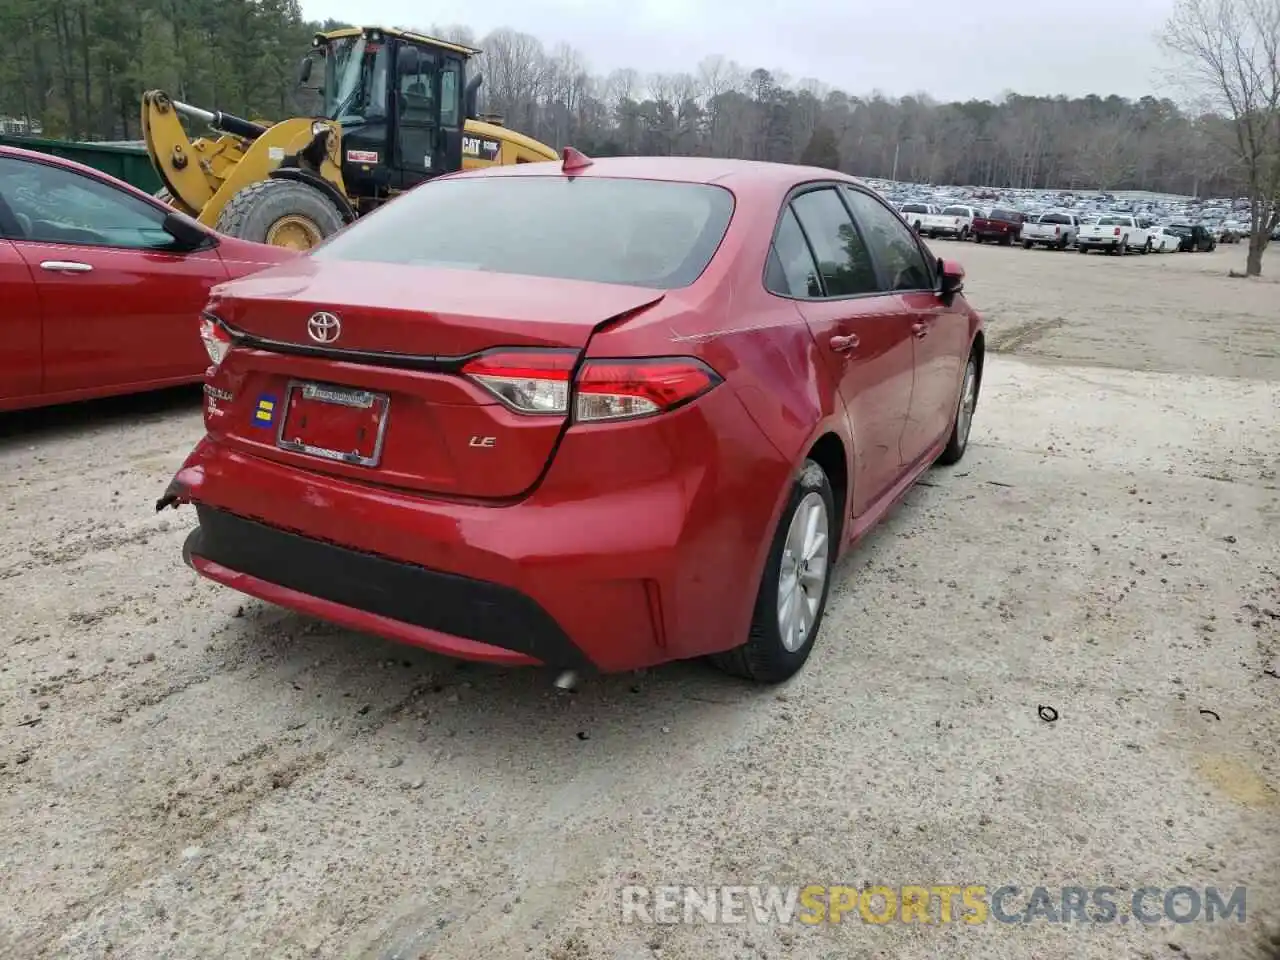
[{"x": 125, "y": 161}]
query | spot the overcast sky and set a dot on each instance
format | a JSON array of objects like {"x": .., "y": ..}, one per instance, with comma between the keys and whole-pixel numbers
[{"x": 952, "y": 50}]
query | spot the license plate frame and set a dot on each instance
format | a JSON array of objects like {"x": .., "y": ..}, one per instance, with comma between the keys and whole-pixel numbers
[{"x": 330, "y": 394}]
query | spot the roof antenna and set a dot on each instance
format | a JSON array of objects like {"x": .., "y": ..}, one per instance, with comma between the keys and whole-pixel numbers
[{"x": 574, "y": 160}]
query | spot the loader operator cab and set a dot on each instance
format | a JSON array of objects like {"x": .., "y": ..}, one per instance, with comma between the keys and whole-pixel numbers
[{"x": 402, "y": 100}]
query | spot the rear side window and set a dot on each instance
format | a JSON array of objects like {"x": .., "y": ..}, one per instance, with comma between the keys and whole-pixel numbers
[
  {"x": 843, "y": 261},
  {"x": 895, "y": 246},
  {"x": 647, "y": 233},
  {"x": 791, "y": 270}
]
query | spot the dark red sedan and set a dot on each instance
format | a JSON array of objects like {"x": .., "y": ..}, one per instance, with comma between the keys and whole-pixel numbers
[
  {"x": 600, "y": 415},
  {"x": 102, "y": 285}
]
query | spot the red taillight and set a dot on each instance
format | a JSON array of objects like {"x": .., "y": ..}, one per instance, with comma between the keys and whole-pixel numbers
[
  {"x": 538, "y": 382},
  {"x": 622, "y": 389},
  {"x": 217, "y": 342},
  {"x": 1117, "y": 231},
  {"x": 1057, "y": 231}
]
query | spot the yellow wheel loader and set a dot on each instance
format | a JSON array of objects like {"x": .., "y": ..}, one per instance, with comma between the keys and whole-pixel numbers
[{"x": 398, "y": 109}]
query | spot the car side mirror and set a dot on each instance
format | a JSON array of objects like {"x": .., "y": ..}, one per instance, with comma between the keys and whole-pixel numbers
[
  {"x": 952, "y": 279},
  {"x": 186, "y": 233}
]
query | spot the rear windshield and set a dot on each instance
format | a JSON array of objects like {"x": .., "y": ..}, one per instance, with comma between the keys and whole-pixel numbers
[
  {"x": 1008, "y": 215},
  {"x": 956, "y": 212},
  {"x": 647, "y": 233},
  {"x": 1114, "y": 222},
  {"x": 1055, "y": 218},
  {"x": 914, "y": 208}
]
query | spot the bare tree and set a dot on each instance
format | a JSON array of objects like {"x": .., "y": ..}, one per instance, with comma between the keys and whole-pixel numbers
[{"x": 1233, "y": 47}]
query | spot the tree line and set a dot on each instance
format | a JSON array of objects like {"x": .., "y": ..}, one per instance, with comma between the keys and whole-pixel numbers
[{"x": 80, "y": 66}]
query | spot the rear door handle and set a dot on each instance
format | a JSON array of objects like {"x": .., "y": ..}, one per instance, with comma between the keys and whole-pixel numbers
[
  {"x": 65, "y": 266},
  {"x": 920, "y": 329},
  {"x": 844, "y": 344}
]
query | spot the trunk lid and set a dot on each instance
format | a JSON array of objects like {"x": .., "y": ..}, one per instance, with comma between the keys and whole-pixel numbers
[
  {"x": 420, "y": 311},
  {"x": 384, "y": 400}
]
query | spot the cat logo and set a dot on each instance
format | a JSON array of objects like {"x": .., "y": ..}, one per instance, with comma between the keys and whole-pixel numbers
[{"x": 480, "y": 148}]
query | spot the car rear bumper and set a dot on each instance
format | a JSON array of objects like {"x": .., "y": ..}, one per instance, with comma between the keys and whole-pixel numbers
[{"x": 614, "y": 562}]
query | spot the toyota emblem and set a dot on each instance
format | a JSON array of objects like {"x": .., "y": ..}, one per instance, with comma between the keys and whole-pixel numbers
[{"x": 324, "y": 327}]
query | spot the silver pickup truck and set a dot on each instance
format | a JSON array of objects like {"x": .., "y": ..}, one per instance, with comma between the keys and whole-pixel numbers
[{"x": 1054, "y": 230}]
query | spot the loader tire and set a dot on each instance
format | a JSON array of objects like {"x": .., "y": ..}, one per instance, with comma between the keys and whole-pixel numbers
[{"x": 283, "y": 213}]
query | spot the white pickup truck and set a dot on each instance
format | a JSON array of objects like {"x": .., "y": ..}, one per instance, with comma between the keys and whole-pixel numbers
[
  {"x": 955, "y": 221},
  {"x": 1053, "y": 229},
  {"x": 1115, "y": 233},
  {"x": 919, "y": 216},
  {"x": 933, "y": 222}
]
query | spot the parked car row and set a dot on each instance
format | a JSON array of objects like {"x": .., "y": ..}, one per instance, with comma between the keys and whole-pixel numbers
[
  {"x": 1223, "y": 221},
  {"x": 1062, "y": 230}
]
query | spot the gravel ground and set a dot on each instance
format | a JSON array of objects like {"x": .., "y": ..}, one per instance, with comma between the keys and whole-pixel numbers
[{"x": 185, "y": 773}]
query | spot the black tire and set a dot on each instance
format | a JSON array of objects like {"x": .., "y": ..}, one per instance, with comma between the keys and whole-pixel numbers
[
  {"x": 977, "y": 238},
  {"x": 964, "y": 234},
  {"x": 1063, "y": 243},
  {"x": 1026, "y": 244},
  {"x": 1006, "y": 241},
  {"x": 764, "y": 658},
  {"x": 1146, "y": 247},
  {"x": 1080, "y": 249},
  {"x": 253, "y": 211},
  {"x": 958, "y": 442}
]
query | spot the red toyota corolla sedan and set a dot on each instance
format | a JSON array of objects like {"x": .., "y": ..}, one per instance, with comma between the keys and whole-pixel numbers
[
  {"x": 594, "y": 415},
  {"x": 101, "y": 284}
]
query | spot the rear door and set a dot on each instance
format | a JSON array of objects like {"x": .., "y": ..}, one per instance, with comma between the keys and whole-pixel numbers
[
  {"x": 20, "y": 369},
  {"x": 940, "y": 331},
  {"x": 862, "y": 332},
  {"x": 118, "y": 307}
]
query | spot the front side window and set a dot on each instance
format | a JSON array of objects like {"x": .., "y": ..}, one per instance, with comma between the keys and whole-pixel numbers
[
  {"x": 645, "y": 233},
  {"x": 357, "y": 83},
  {"x": 54, "y": 205},
  {"x": 892, "y": 242},
  {"x": 844, "y": 263}
]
